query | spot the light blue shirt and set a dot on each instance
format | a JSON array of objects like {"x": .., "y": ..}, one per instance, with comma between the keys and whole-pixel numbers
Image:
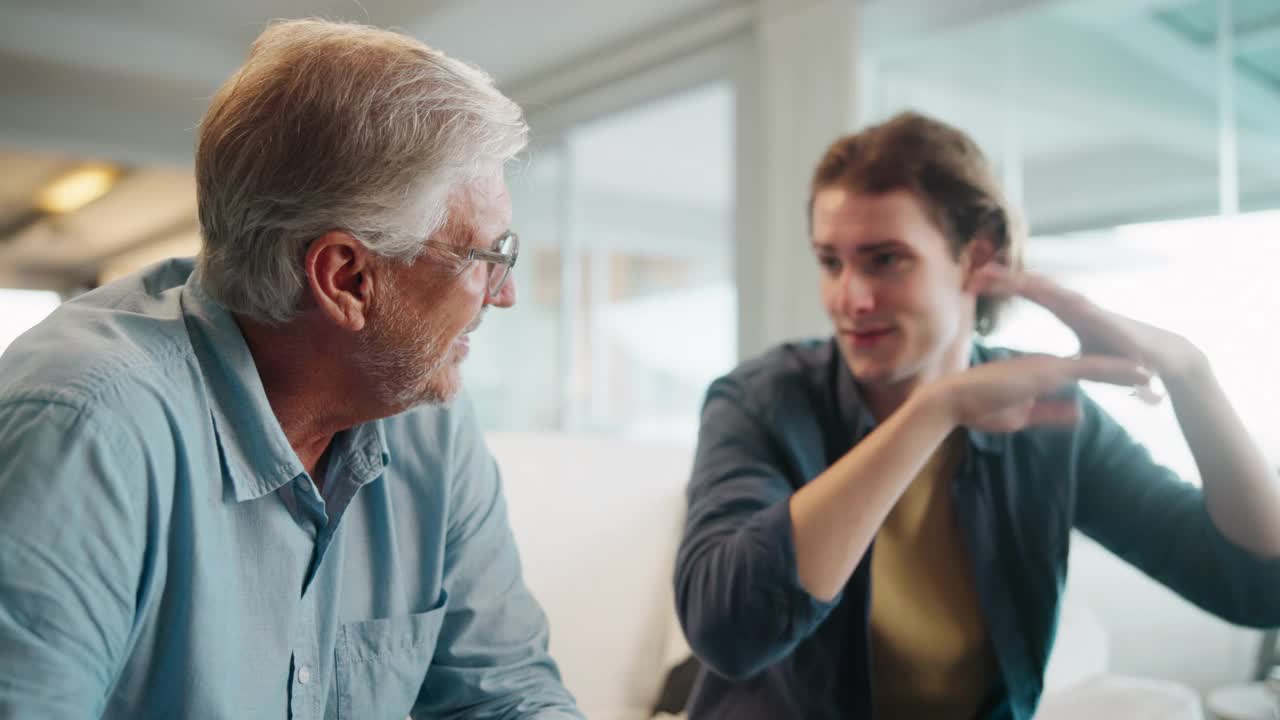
[{"x": 163, "y": 554}]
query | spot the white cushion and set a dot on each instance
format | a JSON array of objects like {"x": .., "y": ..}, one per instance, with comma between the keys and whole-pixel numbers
[
  {"x": 1115, "y": 697},
  {"x": 597, "y": 520},
  {"x": 1080, "y": 649}
]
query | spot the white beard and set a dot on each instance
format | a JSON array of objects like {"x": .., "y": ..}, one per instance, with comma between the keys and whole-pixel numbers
[{"x": 404, "y": 356}]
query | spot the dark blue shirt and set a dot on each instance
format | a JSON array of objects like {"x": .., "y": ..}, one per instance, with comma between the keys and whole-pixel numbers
[{"x": 771, "y": 650}]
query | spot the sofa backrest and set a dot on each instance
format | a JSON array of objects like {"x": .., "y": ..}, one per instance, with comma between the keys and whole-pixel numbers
[{"x": 597, "y": 520}]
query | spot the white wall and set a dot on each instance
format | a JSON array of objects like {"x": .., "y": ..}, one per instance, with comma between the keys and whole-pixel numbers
[{"x": 796, "y": 93}]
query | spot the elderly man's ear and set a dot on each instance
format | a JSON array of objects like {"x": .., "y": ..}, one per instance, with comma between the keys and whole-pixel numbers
[{"x": 341, "y": 274}]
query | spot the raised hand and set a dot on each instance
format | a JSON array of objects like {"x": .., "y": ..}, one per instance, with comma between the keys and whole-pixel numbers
[
  {"x": 1100, "y": 331},
  {"x": 1010, "y": 395}
]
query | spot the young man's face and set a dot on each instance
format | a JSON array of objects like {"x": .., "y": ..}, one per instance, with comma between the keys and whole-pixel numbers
[
  {"x": 892, "y": 287},
  {"x": 416, "y": 345}
]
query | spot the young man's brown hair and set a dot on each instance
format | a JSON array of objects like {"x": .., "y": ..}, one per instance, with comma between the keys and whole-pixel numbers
[{"x": 944, "y": 168}]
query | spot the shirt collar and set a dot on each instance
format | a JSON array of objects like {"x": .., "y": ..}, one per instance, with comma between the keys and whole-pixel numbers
[
  {"x": 984, "y": 441},
  {"x": 256, "y": 455},
  {"x": 857, "y": 415}
]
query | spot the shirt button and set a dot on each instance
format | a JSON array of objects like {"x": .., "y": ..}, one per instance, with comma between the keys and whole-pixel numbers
[
  {"x": 304, "y": 483},
  {"x": 304, "y": 675}
]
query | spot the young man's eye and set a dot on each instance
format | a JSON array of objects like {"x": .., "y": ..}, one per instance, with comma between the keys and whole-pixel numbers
[
  {"x": 829, "y": 264},
  {"x": 887, "y": 261}
]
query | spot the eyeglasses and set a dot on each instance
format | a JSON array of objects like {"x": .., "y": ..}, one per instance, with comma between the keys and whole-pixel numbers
[{"x": 501, "y": 258}]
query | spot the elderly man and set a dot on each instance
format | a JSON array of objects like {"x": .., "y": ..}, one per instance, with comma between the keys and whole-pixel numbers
[{"x": 243, "y": 487}]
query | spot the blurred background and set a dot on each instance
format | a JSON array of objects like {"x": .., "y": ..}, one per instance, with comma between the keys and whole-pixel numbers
[{"x": 660, "y": 204}]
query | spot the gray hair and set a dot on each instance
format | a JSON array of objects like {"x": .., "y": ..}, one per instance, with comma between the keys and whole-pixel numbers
[{"x": 336, "y": 126}]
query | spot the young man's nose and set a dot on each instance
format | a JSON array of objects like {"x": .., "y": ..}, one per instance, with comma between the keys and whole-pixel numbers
[{"x": 855, "y": 293}]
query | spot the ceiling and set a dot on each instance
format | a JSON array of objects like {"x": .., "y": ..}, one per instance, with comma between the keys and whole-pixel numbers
[
  {"x": 127, "y": 80},
  {"x": 1103, "y": 112},
  {"x": 141, "y": 70},
  {"x": 1113, "y": 101}
]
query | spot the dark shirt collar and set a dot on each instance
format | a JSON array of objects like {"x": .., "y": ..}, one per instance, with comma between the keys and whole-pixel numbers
[{"x": 856, "y": 414}]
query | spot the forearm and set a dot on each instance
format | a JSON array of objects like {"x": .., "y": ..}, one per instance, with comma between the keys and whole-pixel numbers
[
  {"x": 737, "y": 596},
  {"x": 836, "y": 515},
  {"x": 1241, "y": 491}
]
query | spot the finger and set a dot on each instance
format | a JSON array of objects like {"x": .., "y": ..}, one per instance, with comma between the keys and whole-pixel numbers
[
  {"x": 994, "y": 279},
  {"x": 1108, "y": 369},
  {"x": 1002, "y": 279},
  {"x": 1067, "y": 304},
  {"x": 1007, "y": 419},
  {"x": 1047, "y": 411}
]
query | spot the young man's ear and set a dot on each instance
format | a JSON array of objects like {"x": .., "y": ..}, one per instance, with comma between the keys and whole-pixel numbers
[
  {"x": 979, "y": 253},
  {"x": 981, "y": 250},
  {"x": 340, "y": 279}
]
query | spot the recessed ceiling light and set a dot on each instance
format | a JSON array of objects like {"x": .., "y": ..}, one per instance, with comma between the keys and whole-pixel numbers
[{"x": 77, "y": 188}]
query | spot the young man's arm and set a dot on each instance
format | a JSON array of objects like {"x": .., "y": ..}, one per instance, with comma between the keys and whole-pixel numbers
[
  {"x": 1242, "y": 493},
  {"x": 1143, "y": 513},
  {"x": 839, "y": 512},
  {"x": 761, "y": 564},
  {"x": 835, "y": 516}
]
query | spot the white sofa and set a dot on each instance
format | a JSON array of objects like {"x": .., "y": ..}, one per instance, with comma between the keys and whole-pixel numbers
[{"x": 598, "y": 519}]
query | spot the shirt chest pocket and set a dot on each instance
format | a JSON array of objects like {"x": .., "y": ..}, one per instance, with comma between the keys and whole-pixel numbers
[{"x": 380, "y": 665}]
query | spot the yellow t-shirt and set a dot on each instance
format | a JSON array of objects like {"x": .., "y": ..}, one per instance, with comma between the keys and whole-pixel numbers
[{"x": 930, "y": 653}]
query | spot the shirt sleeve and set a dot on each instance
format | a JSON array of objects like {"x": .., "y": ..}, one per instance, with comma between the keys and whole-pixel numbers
[
  {"x": 71, "y": 552},
  {"x": 1144, "y": 513},
  {"x": 738, "y": 593},
  {"x": 491, "y": 660}
]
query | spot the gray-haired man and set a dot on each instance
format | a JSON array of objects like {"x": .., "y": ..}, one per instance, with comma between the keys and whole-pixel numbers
[{"x": 243, "y": 488}]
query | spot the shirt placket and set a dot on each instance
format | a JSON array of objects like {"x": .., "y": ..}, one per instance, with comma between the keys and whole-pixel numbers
[
  {"x": 306, "y": 681},
  {"x": 307, "y": 685}
]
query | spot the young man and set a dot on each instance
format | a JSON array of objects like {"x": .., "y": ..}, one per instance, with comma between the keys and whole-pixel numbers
[
  {"x": 251, "y": 489},
  {"x": 878, "y": 523}
]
